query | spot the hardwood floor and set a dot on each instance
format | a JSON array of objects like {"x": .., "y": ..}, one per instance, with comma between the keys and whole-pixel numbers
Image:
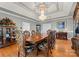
[
  {"x": 10, "y": 51},
  {"x": 62, "y": 49}
]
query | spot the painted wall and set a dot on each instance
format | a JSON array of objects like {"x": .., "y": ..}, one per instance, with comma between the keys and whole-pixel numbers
[{"x": 68, "y": 26}]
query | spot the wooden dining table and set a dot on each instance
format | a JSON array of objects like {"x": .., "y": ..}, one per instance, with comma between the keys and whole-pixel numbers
[{"x": 37, "y": 41}]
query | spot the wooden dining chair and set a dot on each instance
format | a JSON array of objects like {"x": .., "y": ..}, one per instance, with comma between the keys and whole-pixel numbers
[
  {"x": 49, "y": 45},
  {"x": 28, "y": 48},
  {"x": 53, "y": 38},
  {"x": 51, "y": 42},
  {"x": 33, "y": 32},
  {"x": 27, "y": 45},
  {"x": 40, "y": 44}
]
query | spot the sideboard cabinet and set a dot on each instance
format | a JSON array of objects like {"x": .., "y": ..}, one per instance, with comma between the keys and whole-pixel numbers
[{"x": 61, "y": 35}]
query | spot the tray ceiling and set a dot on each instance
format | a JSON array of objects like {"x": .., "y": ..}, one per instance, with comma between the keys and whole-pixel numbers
[{"x": 31, "y": 9}]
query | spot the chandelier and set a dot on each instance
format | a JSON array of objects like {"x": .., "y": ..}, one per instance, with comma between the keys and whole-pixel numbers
[{"x": 42, "y": 8}]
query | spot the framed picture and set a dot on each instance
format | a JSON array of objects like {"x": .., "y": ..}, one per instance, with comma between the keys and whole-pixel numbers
[
  {"x": 38, "y": 28},
  {"x": 61, "y": 25}
]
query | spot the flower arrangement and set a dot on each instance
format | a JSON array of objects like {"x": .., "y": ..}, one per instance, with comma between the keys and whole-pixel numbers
[{"x": 6, "y": 22}]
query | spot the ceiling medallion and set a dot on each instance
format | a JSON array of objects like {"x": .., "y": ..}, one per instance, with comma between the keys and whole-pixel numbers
[{"x": 42, "y": 8}]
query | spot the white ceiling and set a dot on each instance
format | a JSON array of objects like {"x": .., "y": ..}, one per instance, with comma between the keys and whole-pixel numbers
[
  {"x": 34, "y": 6},
  {"x": 31, "y": 10}
]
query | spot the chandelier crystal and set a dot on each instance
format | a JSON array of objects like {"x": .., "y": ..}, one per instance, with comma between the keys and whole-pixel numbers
[{"x": 42, "y": 8}]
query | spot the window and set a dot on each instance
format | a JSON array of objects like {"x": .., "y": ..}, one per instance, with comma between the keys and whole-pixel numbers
[
  {"x": 45, "y": 27},
  {"x": 26, "y": 26}
]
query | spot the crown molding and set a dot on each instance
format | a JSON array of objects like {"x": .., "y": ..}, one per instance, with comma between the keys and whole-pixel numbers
[
  {"x": 57, "y": 19},
  {"x": 17, "y": 14}
]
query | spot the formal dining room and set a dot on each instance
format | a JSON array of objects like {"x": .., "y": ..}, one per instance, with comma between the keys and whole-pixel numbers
[{"x": 39, "y": 29}]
